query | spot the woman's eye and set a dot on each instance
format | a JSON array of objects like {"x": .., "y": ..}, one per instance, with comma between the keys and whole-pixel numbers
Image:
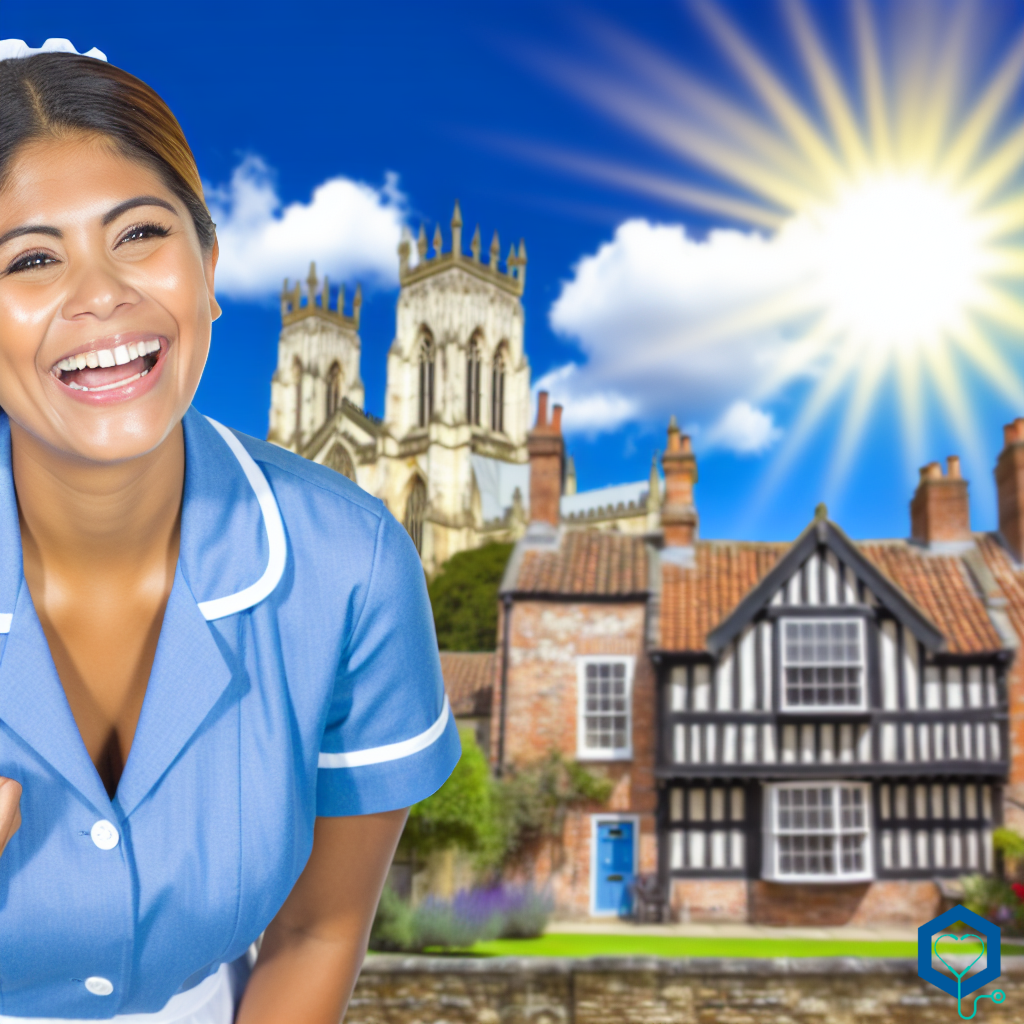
[
  {"x": 31, "y": 261},
  {"x": 141, "y": 231}
]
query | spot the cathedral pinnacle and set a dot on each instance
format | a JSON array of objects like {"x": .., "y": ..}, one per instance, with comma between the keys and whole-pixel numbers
[
  {"x": 421, "y": 243},
  {"x": 474, "y": 246},
  {"x": 437, "y": 241},
  {"x": 457, "y": 230},
  {"x": 495, "y": 252}
]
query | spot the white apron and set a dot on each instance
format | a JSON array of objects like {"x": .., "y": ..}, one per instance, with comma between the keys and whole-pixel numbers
[{"x": 210, "y": 1002}]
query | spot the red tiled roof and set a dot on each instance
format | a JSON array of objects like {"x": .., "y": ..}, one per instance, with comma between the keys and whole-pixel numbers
[
  {"x": 941, "y": 587},
  {"x": 1009, "y": 578},
  {"x": 695, "y": 600},
  {"x": 588, "y": 563},
  {"x": 469, "y": 681}
]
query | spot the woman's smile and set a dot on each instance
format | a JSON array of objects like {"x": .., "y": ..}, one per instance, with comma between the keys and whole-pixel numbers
[{"x": 112, "y": 369}]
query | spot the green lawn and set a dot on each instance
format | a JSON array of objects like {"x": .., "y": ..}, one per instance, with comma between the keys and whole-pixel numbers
[{"x": 657, "y": 945}]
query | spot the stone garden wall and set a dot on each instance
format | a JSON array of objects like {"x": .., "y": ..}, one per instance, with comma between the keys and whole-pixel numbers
[{"x": 640, "y": 990}]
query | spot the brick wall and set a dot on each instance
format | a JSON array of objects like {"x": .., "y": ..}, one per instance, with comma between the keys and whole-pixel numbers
[
  {"x": 546, "y": 638},
  {"x": 710, "y": 899},
  {"x": 621, "y": 990},
  {"x": 864, "y": 903}
]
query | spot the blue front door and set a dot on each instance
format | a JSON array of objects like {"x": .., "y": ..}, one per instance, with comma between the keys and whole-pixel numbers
[{"x": 614, "y": 866}]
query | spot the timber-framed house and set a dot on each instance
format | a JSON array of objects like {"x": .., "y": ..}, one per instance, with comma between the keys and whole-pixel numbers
[{"x": 822, "y": 731}]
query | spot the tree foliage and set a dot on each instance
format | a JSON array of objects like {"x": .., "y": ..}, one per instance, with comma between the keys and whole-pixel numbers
[{"x": 464, "y": 596}]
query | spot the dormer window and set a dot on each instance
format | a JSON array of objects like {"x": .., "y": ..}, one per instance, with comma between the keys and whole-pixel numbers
[{"x": 823, "y": 664}]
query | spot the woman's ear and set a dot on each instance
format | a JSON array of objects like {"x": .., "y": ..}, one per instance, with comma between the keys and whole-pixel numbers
[{"x": 209, "y": 269}]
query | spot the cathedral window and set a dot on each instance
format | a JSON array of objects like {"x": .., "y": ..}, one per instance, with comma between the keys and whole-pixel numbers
[
  {"x": 340, "y": 461},
  {"x": 498, "y": 391},
  {"x": 333, "y": 390},
  {"x": 427, "y": 359},
  {"x": 415, "y": 511},
  {"x": 473, "y": 383}
]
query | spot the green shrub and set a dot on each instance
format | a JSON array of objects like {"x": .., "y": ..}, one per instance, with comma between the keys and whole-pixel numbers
[
  {"x": 995, "y": 899},
  {"x": 460, "y": 814},
  {"x": 392, "y": 929},
  {"x": 464, "y": 596}
]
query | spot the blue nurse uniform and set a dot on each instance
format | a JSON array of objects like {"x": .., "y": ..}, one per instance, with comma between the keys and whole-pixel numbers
[{"x": 296, "y": 675}]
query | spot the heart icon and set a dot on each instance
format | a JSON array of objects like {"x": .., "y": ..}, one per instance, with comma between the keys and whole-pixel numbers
[{"x": 958, "y": 938}]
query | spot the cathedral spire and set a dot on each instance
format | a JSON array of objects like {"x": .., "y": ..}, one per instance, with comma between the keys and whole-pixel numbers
[{"x": 457, "y": 231}]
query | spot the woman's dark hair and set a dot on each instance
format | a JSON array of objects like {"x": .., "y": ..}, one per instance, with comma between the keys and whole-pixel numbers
[{"x": 54, "y": 95}]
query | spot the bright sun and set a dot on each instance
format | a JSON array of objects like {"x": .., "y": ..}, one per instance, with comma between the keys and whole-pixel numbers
[
  {"x": 899, "y": 169},
  {"x": 901, "y": 261}
]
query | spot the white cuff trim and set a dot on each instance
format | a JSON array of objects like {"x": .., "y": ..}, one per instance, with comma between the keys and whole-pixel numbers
[{"x": 390, "y": 751}]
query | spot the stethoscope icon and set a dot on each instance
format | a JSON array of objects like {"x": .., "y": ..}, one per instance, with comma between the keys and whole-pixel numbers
[{"x": 999, "y": 996}]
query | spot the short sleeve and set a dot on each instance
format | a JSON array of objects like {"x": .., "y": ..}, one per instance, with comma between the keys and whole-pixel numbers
[{"x": 390, "y": 738}]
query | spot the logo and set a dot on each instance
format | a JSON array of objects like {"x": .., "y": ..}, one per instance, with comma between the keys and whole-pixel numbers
[{"x": 950, "y": 949}]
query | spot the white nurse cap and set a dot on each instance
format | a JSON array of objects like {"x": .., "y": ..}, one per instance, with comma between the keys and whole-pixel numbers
[{"x": 10, "y": 48}]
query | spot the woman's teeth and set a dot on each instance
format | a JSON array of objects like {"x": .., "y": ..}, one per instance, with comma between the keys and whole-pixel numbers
[
  {"x": 109, "y": 357},
  {"x": 108, "y": 387}
]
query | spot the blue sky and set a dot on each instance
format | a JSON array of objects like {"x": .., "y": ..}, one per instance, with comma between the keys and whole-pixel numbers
[{"x": 406, "y": 106}]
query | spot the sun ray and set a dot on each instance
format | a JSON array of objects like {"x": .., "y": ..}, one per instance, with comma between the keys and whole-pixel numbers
[
  {"x": 827, "y": 85},
  {"x": 987, "y": 111},
  {"x": 770, "y": 90},
  {"x": 872, "y": 80},
  {"x": 989, "y": 361},
  {"x": 854, "y": 424},
  {"x": 711, "y": 107},
  {"x": 997, "y": 169},
  {"x": 945, "y": 86},
  {"x": 894, "y": 203},
  {"x": 659, "y": 186},
  {"x": 954, "y": 402}
]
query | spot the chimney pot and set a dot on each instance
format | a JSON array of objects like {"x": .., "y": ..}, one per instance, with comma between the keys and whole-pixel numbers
[
  {"x": 1010, "y": 487},
  {"x": 678, "y": 513},
  {"x": 547, "y": 454},
  {"x": 542, "y": 408},
  {"x": 940, "y": 510}
]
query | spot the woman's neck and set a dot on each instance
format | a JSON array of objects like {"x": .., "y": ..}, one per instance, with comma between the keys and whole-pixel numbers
[{"x": 116, "y": 520}]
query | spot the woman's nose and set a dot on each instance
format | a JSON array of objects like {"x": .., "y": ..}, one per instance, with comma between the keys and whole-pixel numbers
[{"x": 98, "y": 292}]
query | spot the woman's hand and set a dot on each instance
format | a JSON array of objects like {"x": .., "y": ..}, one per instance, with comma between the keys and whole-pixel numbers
[
  {"x": 10, "y": 810},
  {"x": 314, "y": 947}
]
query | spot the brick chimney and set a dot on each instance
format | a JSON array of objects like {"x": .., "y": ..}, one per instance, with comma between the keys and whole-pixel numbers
[
  {"x": 939, "y": 511},
  {"x": 1010, "y": 487},
  {"x": 679, "y": 514},
  {"x": 547, "y": 453}
]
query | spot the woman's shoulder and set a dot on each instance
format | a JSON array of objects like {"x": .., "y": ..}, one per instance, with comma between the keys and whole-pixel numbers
[{"x": 297, "y": 479}]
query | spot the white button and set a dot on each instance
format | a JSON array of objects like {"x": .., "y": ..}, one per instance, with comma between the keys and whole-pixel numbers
[
  {"x": 99, "y": 986},
  {"x": 105, "y": 836}
]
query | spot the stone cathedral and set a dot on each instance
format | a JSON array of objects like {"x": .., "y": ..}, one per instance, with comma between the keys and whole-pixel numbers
[{"x": 449, "y": 458}]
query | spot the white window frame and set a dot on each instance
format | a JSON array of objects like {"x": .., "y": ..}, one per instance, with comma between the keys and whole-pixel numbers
[
  {"x": 584, "y": 753},
  {"x": 784, "y": 664},
  {"x": 614, "y": 819},
  {"x": 770, "y": 869}
]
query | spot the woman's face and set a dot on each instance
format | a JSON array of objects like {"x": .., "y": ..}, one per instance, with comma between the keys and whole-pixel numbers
[{"x": 106, "y": 300}]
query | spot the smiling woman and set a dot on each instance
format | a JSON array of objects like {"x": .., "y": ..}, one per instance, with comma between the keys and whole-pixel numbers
[{"x": 211, "y": 718}]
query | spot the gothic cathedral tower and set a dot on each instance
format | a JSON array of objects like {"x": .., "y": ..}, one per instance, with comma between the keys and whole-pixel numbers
[
  {"x": 458, "y": 390},
  {"x": 449, "y": 458}
]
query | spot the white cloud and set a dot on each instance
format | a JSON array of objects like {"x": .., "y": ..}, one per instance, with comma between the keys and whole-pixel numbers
[
  {"x": 350, "y": 228},
  {"x": 668, "y": 323},
  {"x": 744, "y": 429},
  {"x": 590, "y": 412}
]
